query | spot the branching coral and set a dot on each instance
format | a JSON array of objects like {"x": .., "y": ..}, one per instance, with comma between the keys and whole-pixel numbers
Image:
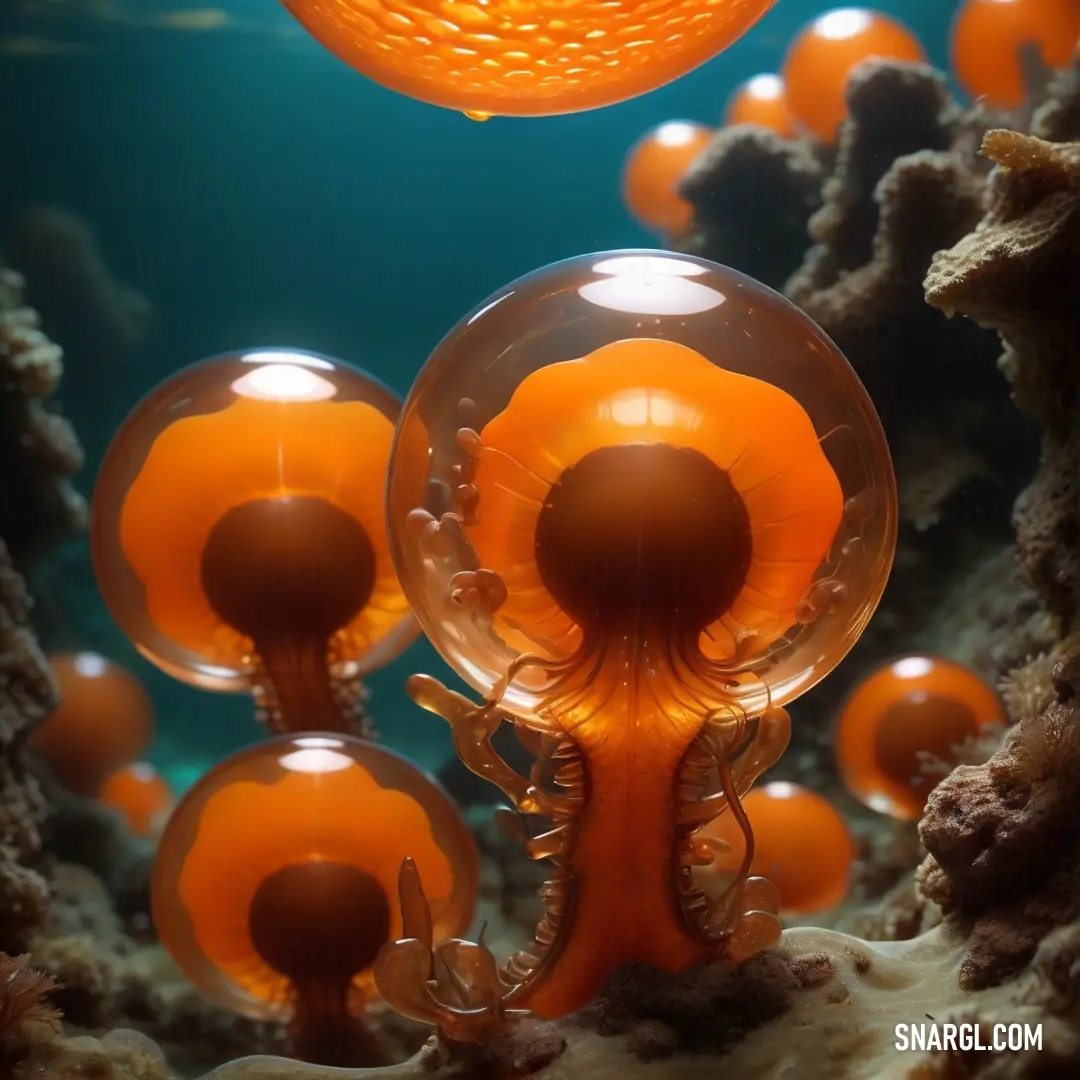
[
  {"x": 745, "y": 169},
  {"x": 1016, "y": 274},
  {"x": 904, "y": 186},
  {"x": 905, "y": 182}
]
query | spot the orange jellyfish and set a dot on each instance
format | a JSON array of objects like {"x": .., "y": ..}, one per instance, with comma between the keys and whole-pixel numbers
[
  {"x": 994, "y": 41},
  {"x": 239, "y": 536},
  {"x": 898, "y": 731},
  {"x": 801, "y": 845},
  {"x": 654, "y": 166},
  {"x": 525, "y": 57},
  {"x": 275, "y": 884},
  {"x": 640, "y": 502},
  {"x": 105, "y": 719},
  {"x": 823, "y": 55},
  {"x": 141, "y": 795},
  {"x": 762, "y": 101}
]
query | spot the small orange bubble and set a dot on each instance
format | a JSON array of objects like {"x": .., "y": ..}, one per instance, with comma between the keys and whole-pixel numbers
[
  {"x": 762, "y": 101},
  {"x": 823, "y": 55},
  {"x": 897, "y": 731},
  {"x": 654, "y": 166},
  {"x": 141, "y": 795},
  {"x": 988, "y": 37},
  {"x": 801, "y": 845},
  {"x": 105, "y": 719}
]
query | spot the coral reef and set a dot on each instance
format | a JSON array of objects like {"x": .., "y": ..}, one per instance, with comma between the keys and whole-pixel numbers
[
  {"x": 743, "y": 169},
  {"x": 987, "y": 930},
  {"x": 1015, "y": 274},
  {"x": 38, "y": 447},
  {"x": 1002, "y": 840},
  {"x": 905, "y": 182},
  {"x": 39, "y": 453},
  {"x": 62, "y": 915}
]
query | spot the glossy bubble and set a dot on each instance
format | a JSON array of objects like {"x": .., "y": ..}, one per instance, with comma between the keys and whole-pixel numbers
[
  {"x": 526, "y": 57},
  {"x": 823, "y": 55},
  {"x": 641, "y": 451},
  {"x": 332, "y": 814},
  {"x": 898, "y": 731},
  {"x": 653, "y": 169},
  {"x": 801, "y": 845},
  {"x": 238, "y": 520},
  {"x": 761, "y": 100},
  {"x": 989, "y": 38},
  {"x": 141, "y": 795},
  {"x": 105, "y": 719}
]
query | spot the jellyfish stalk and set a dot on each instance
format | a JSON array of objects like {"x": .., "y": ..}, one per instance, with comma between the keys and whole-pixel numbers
[{"x": 685, "y": 925}]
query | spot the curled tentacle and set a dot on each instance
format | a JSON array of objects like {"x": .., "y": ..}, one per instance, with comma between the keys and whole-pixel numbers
[{"x": 454, "y": 986}]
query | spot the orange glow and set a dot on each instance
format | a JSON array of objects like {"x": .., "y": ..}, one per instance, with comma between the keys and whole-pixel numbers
[
  {"x": 654, "y": 508},
  {"x": 801, "y": 845},
  {"x": 641, "y": 394},
  {"x": 650, "y": 392},
  {"x": 822, "y": 56},
  {"x": 105, "y": 719},
  {"x": 526, "y": 57},
  {"x": 653, "y": 169},
  {"x": 239, "y": 534},
  {"x": 762, "y": 101},
  {"x": 188, "y": 483},
  {"x": 989, "y": 35},
  {"x": 898, "y": 730},
  {"x": 141, "y": 795},
  {"x": 294, "y": 801}
]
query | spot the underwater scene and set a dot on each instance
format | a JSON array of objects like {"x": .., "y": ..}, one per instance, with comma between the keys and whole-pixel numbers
[{"x": 539, "y": 538}]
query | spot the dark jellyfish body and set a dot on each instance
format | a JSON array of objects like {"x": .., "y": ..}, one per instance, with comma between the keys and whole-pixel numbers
[
  {"x": 656, "y": 533},
  {"x": 289, "y": 572},
  {"x": 319, "y": 924}
]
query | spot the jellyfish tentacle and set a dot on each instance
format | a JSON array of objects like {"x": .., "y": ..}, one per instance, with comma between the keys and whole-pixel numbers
[
  {"x": 472, "y": 727},
  {"x": 349, "y": 696},
  {"x": 455, "y": 986},
  {"x": 739, "y": 917}
]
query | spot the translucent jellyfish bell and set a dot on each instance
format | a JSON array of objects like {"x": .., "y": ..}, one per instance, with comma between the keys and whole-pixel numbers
[
  {"x": 275, "y": 882},
  {"x": 238, "y": 524},
  {"x": 645, "y": 451}
]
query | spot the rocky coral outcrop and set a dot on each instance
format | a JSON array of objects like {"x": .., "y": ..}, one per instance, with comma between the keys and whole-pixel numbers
[
  {"x": 38, "y": 455},
  {"x": 1016, "y": 274},
  {"x": 1004, "y": 840}
]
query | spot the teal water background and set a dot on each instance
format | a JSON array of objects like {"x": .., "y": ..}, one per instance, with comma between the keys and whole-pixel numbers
[{"x": 262, "y": 193}]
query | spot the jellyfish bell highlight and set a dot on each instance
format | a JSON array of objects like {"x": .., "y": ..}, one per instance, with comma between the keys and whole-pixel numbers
[{"x": 535, "y": 450}]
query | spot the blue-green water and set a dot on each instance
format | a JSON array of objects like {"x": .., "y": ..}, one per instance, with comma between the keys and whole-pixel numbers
[{"x": 260, "y": 192}]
